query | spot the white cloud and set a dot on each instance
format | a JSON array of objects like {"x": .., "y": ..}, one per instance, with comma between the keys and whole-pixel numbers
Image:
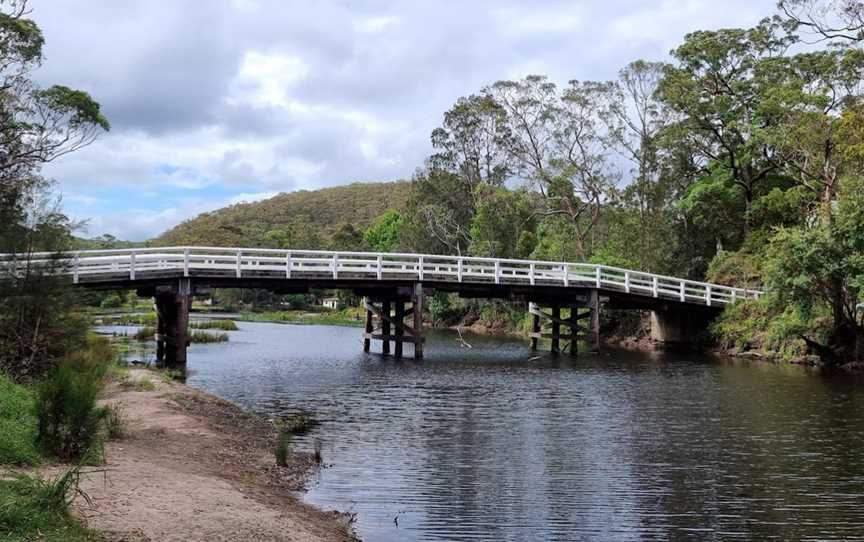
[
  {"x": 373, "y": 25},
  {"x": 261, "y": 96},
  {"x": 266, "y": 78}
]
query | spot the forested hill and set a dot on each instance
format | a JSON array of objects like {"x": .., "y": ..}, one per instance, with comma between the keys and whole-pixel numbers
[{"x": 308, "y": 219}]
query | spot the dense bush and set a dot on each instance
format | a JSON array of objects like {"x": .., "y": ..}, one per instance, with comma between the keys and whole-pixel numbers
[
  {"x": 762, "y": 326},
  {"x": 112, "y": 301},
  {"x": 68, "y": 416}
]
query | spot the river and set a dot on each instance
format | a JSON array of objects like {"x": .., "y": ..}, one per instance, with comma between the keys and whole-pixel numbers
[{"x": 487, "y": 443}]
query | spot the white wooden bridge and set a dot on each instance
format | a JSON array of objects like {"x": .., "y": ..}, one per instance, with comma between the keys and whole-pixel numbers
[{"x": 385, "y": 279}]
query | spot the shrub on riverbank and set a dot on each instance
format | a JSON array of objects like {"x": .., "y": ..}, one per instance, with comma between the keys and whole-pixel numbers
[
  {"x": 758, "y": 326},
  {"x": 68, "y": 416}
]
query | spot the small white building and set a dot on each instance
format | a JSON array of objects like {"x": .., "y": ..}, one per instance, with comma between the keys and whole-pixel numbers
[{"x": 330, "y": 302}]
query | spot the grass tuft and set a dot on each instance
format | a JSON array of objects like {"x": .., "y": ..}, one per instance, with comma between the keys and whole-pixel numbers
[
  {"x": 283, "y": 441},
  {"x": 224, "y": 325},
  {"x": 138, "y": 384},
  {"x": 34, "y": 509},
  {"x": 115, "y": 420}
]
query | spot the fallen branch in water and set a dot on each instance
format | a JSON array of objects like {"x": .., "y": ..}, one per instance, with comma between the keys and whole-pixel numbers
[{"x": 461, "y": 339}]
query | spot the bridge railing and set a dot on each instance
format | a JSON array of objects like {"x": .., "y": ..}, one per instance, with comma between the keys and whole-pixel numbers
[{"x": 140, "y": 263}]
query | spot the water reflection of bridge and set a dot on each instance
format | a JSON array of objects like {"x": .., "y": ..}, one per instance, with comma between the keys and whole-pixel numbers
[{"x": 394, "y": 287}]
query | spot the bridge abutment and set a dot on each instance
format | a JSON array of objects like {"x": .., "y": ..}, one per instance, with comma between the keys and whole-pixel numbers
[
  {"x": 388, "y": 310},
  {"x": 680, "y": 327}
]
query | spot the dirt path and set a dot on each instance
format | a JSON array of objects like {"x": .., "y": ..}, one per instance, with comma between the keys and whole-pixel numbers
[{"x": 193, "y": 467}]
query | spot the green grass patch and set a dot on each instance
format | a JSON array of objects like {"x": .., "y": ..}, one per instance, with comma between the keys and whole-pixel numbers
[
  {"x": 145, "y": 333},
  {"x": 224, "y": 325},
  {"x": 138, "y": 384},
  {"x": 146, "y": 319},
  {"x": 33, "y": 509},
  {"x": 18, "y": 424},
  {"x": 348, "y": 317}
]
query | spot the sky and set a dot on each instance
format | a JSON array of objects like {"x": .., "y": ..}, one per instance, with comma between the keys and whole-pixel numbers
[{"x": 214, "y": 102}]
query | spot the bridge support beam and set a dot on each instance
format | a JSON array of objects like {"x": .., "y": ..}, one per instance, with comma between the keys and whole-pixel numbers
[
  {"x": 172, "y": 324},
  {"x": 389, "y": 312},
  {"x": 583, "y": 324}
]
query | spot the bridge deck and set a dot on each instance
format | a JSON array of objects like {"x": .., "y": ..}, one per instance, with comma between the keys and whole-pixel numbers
[{"x": 243, "y": 266}]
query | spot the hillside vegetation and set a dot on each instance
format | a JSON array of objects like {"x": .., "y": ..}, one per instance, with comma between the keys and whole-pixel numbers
[{"x": 304, "y": 219}]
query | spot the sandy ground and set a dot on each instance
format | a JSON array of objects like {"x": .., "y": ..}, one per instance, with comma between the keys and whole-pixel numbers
[{"x": 193, "y": 467}]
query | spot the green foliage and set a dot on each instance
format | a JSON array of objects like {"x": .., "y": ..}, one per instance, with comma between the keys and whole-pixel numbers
[
  {"x": 605, "y": 256},
  {"x": 76, "y": 105},
  {"x": 503, "y": 219},
  {"x": 68, "y": 417},
  {"x": 300, "y": 220},
  {"x": 347, "y": 238},
  {"x": 350, "y": 316},
  {"x": 112, "y": 301},
  {"x": 445, "y": 309},
  {"x": 556, "y": 241},
  {"x": 21, "y": 40},
  {"x": 115, "y": 420},
  {"x": 762, "y": 326},
  {"x": 147, "y": 319},
  {"x": 224, "y": 325},
  {"x": 34, "y": 509},
  {"x": 715, "y": 203},
  {"x": 283, "y": 441},
  {"x": 740, "y": 269},
  {"x": 822, "y": 268},
  {"x": 145, "y": 333},
  {"x": 17, "y": 424},
  {"x": 383, "y": 234}
]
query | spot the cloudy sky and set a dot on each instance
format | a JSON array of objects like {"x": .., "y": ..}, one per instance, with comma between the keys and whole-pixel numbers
[{"x": 219, "y": 101}]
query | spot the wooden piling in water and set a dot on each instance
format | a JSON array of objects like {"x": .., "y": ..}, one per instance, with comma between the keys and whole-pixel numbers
[
  {"x": 576, "y": 331},
  {"x": 389, "y": 311}
]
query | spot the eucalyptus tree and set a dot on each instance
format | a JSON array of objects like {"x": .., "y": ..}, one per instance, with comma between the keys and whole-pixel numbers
[
  {"x": 469, "y": 144},
  {"x": 643, "y": 217},
  {"x": 712, "y": 90},
  {"x": 806, "y": 95},
  {"x": 836, "y": 20},
  {"x": 560, "y": 146},
  {"x": 37, "y": 125},
  {"x": 811, "y": 268}
]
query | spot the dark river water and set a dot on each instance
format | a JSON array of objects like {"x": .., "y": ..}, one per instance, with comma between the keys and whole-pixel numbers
[{"x": 489, "y": 444}]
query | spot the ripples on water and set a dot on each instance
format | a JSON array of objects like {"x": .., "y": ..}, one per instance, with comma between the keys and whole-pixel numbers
[{"x": 483, "y": 444}]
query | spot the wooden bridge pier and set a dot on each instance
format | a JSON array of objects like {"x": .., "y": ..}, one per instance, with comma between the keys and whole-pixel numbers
[
  {"x": 388, "y": 311},
  {"x": 589, "y": 332},
  {"x": 172, "y": 323}
]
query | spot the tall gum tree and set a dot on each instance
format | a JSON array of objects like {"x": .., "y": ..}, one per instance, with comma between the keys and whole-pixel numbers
[
  {"x": 807, "y": 95},
  {"x": 712, "y": 91},
  {"x": 37, "y": 125}
]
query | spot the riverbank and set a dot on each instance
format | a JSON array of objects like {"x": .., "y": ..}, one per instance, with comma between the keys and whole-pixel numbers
[{"x": 194, "y": 467}]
